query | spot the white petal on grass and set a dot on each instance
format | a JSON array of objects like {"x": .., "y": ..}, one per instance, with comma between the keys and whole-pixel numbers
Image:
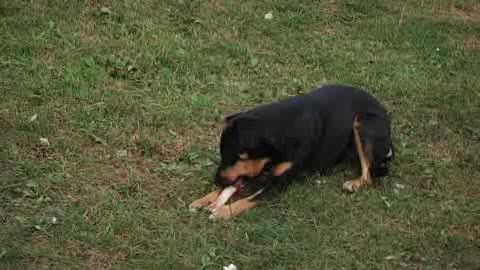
[
  {"x": 44, "y": 141},
  {"x": 33, "y": 118},
  {"x": 121, "y": 153},
  {"x": 54, "y": 220},
  {"x": 268, "y": 16},
  {"x": 399, "y": 186},
  {"x": 387, "y": 203},
  {"x": 230, "y": 267}
]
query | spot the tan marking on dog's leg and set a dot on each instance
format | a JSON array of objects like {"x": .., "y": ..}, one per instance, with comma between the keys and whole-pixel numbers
[
  {"x": 205, "y": 200},
  {"x": 366, "y": 178},
  {"x": 281, "y": 168},
  {"x": 227, "y": 212}
]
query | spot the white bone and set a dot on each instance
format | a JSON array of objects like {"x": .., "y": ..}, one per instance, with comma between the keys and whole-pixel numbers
[{"x": 222, "y": 198}]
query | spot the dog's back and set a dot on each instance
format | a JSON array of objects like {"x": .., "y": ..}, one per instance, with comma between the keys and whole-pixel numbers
[{"x": 324, "y": 118}]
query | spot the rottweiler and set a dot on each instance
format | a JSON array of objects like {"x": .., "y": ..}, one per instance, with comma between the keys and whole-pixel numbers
[{"x": 264, "y": 148}]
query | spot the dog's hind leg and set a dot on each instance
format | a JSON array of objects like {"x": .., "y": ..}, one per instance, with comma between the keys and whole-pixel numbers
[{"x": 365, "y": 156}]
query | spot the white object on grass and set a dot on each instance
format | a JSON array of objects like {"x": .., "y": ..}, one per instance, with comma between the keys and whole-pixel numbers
[
  {"x": 44, "y": 141},
  {"x": 122, "y": 153},
  {"x": 193, "y": 209},
  {"x": 230, "y": 267},
  {"x": 33, "y": 118},
  {"x": 268, "y": 16},
  {"x": 222, "y": 198},
  {"x": 390, "y": 153}
]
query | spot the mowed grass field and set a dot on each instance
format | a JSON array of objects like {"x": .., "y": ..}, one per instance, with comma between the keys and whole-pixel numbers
[{"x": 111, "y": 111}]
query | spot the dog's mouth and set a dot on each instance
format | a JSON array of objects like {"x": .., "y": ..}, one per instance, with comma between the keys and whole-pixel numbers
[{"x": 239, "y": 184}]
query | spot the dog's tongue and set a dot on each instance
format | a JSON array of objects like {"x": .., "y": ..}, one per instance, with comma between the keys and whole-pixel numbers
[{"x": 239, "y": 185}]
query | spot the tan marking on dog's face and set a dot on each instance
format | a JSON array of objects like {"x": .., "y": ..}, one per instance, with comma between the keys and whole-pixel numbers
[
  {"x": 249, "y": 167},
  {"x": 281, "y": 168}
]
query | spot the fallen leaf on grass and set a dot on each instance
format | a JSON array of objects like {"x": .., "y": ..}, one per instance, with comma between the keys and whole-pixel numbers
[
  {"x": 105, "y": 10},
  {"x": 98, "y": 139}
]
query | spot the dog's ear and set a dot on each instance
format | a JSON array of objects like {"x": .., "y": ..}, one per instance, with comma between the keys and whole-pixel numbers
[
  {"x": 250, "y": 131},
  {"x": 232, "y": 116}
]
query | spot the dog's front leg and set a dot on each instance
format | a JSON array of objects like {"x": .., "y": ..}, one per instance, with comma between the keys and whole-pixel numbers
[
  {"x": 205, "y": 201},
  {"x": 227, "y": 212}
]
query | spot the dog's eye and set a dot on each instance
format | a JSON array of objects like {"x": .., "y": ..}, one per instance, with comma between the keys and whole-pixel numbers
[{"x": 243, "y": 156}]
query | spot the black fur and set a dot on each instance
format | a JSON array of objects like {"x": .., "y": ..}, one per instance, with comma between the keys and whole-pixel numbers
[{"x": 314, "y": 131}]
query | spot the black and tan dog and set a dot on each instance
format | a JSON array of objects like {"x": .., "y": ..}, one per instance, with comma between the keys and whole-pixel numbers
[{"x": 265, "y": 147}]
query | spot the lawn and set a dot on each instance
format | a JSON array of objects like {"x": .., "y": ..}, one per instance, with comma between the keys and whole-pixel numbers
[{"x": 111, "y": 111}]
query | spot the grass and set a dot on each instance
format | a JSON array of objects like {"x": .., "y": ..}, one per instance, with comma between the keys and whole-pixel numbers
[{"x": 130, "y": 96}]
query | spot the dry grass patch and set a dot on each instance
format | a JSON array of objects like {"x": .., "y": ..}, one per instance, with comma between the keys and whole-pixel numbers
[{"x": 472, "y": 44}]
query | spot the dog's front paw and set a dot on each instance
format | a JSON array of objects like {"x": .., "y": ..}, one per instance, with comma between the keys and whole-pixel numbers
[
  {"x": 197, "y": 205},
  {"x": 353, "y": 185},
  {"x": 221, "y": 213}
]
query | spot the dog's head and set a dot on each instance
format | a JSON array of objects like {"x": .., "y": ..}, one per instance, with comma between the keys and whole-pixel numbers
[{"x": 244, "y": 148}]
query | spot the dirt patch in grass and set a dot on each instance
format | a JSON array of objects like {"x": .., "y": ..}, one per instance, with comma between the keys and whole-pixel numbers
[
  {"x": 165, "y": 146},
  {"x": 103, "y": 260},
  {"x": 174, "y": 149},
  {"x": 48, "y": 57},
  {"x": 470, "y": 231},
  {"x": 472, "y": 43},
  {"x": 332, "y": 6},
  {"x": 468, "y": 13},
  {"x": 137, "y": 170},
  {"x": 39, "y": 262},
  {"x": 87, "y": 28},
  {"x": 210, "y": 138},
  {"x": 92, "y": 3},
  {"x": 445, "y": 151},
  {"x": 87, "y": 23},
  {"x": 5, "y": 122}
]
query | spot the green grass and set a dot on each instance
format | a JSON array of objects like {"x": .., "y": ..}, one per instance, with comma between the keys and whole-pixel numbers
[{"x": 154, "y": 78}]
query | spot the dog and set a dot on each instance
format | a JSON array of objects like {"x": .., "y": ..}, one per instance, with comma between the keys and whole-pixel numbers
[{"x": 264, "y": 148}]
